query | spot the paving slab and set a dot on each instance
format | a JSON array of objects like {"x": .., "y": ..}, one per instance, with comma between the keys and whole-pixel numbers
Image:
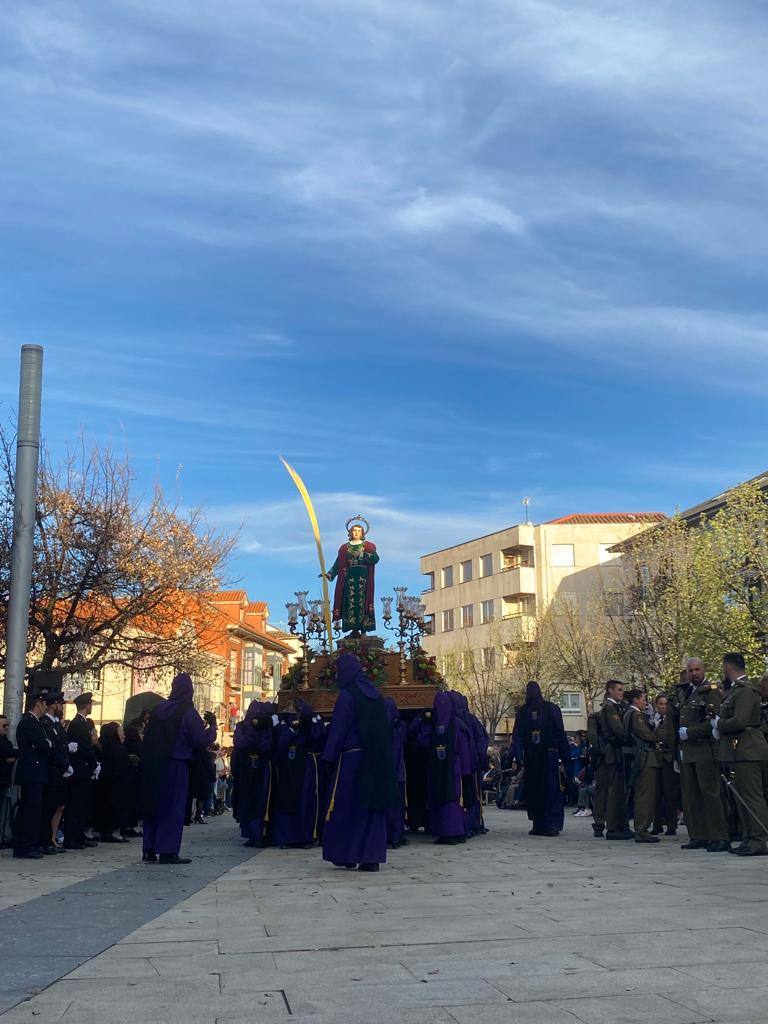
[{"x": 504, "y": 929}]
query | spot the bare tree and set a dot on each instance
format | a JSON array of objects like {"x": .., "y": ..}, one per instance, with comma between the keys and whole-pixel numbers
[
  {"x": 116, "y": 580},
  {"x": 582, "y": 644}
]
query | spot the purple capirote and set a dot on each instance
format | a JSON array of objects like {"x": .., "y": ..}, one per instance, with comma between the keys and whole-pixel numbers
[
  {"x": 353, "y": 834},
  {"x": 448, "y": 820},
  {"x": 163, "y": 829}
]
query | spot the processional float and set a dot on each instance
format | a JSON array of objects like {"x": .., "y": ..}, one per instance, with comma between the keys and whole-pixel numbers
[{"x": 347, "y": 622}]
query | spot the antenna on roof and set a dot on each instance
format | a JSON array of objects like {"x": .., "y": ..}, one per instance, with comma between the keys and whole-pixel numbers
[{"x": 526, "y": 503}]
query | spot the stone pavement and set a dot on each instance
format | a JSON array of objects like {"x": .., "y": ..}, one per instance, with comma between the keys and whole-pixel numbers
[{"x": 508, "y": 928}]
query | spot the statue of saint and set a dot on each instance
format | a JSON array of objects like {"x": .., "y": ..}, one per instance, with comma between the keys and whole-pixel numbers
[{"x": 354, "y": 571}]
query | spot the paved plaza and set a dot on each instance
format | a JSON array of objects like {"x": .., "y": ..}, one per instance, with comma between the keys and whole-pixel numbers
[{"x": 508, "y": 928}]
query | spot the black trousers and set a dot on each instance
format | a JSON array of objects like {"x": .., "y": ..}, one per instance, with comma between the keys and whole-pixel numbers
[
  {"x": 53, "y": 797},
  {"x": 78, "y": 810},
  {"x": 26, "y": 833}
]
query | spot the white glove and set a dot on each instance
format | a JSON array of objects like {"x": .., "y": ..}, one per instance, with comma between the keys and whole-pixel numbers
[
  {"x": 715, "y": 731},
  {"x": 657, "y": 719},
  {"x": 68, "y": 772},
  {"x": 275, "y": 720},
  {"x": 682, "y": 732},
  {"x": 96, "y": 772},
  {"x": 72, "y": 748}
]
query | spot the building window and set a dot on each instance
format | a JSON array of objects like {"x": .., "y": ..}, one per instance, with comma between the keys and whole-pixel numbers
[
  {"x": 605, "y": 554},
  {"x": 489, "y": 657},
  {"x": 570, "y": 702},
  {"x": 449, "y": 664},
  {"x": 510, "y": 655},
  {"x": 486, "y": 565},
  {"x": 448, "y": 620},
  {"x": 614, "y": 603},
  {"x": 430, "y": 625},
  {"x": 467, "y": 661},
  {"x": 466, "y": 571},
  {"x": 429, "y": 581},
  {"x": 446, "y": 576},
  {"x": 561, "y": 555},
  {"x": 467, "y": 615},
  {"x": 486, "y": 611}
]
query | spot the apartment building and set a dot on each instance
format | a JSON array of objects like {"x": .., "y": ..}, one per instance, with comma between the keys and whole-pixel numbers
[{"x": 482, "y": 590}]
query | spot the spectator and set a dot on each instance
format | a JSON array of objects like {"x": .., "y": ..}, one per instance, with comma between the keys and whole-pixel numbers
[
  {"x": 8, "y": 756},
  {"x": 113, "y": 788}
]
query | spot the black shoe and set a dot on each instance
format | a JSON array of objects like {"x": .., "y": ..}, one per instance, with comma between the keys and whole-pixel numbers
[
  {"x": 656, "y": 831},
  {"x": 48, "y": 851},
  {"x": 173, "y": 858},
  {"x": 200, "y": 821},
  {"x": 73, "y": 846},
  {"x": 347, "y": 867},
  {"x": 749, "y": 851},
  {"x": 597, "y": 831},
  {"x": 721, "y": 846},
  {"x": 149, "y": 858},
  {"x": 106, "y": 838},
  {"x": 671, "y": 832},
  {"x": 646, "y": 837},
  {"x": 252, "y": 843},
  {"x": 90, "y": 844},
  {"x": 695, "y": 844},
  {"x": 619, "y": 835},
  {"x": 368, "y": 867},
  {"x": 131, "y": 833},
  {"x": 30, "y": 855},
  {"x": 447, "y": 841}
]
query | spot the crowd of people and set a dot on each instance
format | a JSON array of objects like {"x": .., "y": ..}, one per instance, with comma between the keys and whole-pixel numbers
[
  {"x": 362, "y": 781},
  {"x": 79, "y": 787}
]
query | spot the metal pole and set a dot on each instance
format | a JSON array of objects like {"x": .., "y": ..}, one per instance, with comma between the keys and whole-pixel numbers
[{"x": 24, "y": 509}]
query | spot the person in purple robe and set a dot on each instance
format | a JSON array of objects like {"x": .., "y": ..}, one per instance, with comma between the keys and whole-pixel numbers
[
  {"x": 251, "y": 767},
  {"x": 174, "y": 733},
  {"x": 418, "y": 740},
  {"x": 448, "y": 757},
  {"x": 396, "y": 815},
  {"x": 358, "y": 748},
  {"x": 539, "y": 741},
  {"x": 473, "y": 800},
  {"x": 296, "y": 792}
]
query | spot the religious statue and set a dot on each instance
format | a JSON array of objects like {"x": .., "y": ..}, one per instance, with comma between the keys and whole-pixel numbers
[{"x": 354, "y": 571}]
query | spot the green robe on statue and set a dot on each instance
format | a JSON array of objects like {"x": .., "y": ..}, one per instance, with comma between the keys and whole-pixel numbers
[{"x": 353, "y": 571}]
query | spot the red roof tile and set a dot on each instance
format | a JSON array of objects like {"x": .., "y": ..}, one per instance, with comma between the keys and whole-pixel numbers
[
  {"x": 587, "y": 518},
  {"x": 228, "y": 597}
]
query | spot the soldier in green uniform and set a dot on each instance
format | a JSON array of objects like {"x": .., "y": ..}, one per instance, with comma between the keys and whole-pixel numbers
[
  {"x": 744, "y": 749},
  {"x": 646, "y": 767},
  {"x": 764, "y": 727},
  {"x": 611, "y": 730},
  {"x": 668, "y": 792},
  {"x": 698, "y": 703},
  {"x": 600, "y": 775}
]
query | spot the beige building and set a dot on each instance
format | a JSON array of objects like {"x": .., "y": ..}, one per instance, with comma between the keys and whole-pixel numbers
[{"x": 494, "y": 587}]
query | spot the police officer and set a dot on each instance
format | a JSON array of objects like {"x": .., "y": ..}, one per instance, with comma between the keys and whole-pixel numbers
[
  {"x": 764, "y": 727},
  {"x": 611, "y": 730},
  {"x": 744, "y": 749},
  {"x": 698, "y": 703},
  {"x": 84, "y": 762},
  {"x": 55, "y": 789},
  {"x": 31, "y": 776}
]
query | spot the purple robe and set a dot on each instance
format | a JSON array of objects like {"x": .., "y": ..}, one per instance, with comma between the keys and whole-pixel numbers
[
  {"x": 473, "y": 783},
  {"x": 164, "y": 826},
  {"x": 396, "y": 814},
  {"x": 296, "y": 812},
  {"x": 252, "y": 769},
  {"x": 353, "y": 834},
  {"x": 447, "y": 819}
]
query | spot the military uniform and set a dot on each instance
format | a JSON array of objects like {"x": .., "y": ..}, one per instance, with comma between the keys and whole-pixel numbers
[
  {"x": 646, "y": 772},
  {"x": 744, "y": 749},
  {"x": 699, "y": 769},
  {"x": 611, "y": 729},
  {"x": 668, "y": 789},
  {"x": 600, "y": 775},
  {"x": 764, "y": 728}
]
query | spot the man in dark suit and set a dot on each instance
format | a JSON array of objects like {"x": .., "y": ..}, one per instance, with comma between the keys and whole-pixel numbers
[
  {"x": 83, "y": 760},
  {"x": 55, "y": 790},
  {"x": 31, "y": 776}
]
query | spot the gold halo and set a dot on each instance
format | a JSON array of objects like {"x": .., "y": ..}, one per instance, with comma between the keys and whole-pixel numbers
[{"x": 359, "y": 520}]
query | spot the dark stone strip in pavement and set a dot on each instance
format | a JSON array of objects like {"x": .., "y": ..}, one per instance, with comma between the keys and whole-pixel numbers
[{"x": 47, "y": 937}]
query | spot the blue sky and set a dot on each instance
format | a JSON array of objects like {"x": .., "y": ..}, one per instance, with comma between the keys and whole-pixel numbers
[{"x": 440, "y": 255}]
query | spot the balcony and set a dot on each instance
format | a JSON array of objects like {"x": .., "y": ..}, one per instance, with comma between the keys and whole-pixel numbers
[{"x": 520, "y": 579}]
